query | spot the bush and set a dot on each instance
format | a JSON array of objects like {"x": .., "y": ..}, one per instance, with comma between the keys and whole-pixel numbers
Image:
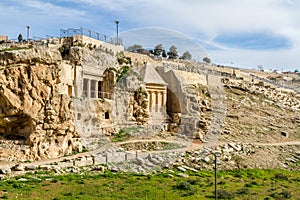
[
  {"x": 194, "y": 181},
  {"x": 68, "y": 194},
  {"x": 223, "y": 194},
  {"x": 282, "y": 195},
  {"x": 120, "y": 136},
  {"x": 184, "y": 185},
  {"x": 243, "y": 191},
  {"x": 4, "y": 197},
  {"x": 54, "y": 180},
  {"x": 281, "y": 176}
]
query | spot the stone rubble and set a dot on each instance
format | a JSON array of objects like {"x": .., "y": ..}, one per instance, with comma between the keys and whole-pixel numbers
[
  {"x": 232, "y": 155},
  {"x": 281, "y": 97}
]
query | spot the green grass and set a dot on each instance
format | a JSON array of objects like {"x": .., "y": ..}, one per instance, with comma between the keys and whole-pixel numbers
[
  {"x": 76, "y": 152},
  {"x": 13, "y": 49},
  {"x": 244, "y": 184},
  {"x": 124, "y": 134}
]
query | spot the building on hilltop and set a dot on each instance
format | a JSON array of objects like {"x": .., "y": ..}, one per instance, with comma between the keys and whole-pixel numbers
[{"x": 3, "y": 38}]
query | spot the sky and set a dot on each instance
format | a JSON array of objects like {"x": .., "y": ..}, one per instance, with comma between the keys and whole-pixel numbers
[{"x": 241, "y": 33}]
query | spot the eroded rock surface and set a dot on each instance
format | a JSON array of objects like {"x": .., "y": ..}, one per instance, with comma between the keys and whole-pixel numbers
[{"x": 36, "y": 121}]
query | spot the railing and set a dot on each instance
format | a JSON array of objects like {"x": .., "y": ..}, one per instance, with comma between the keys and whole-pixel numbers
[
  {"x": 92, "y": 34},
  {"x": 70, "y": 32}
]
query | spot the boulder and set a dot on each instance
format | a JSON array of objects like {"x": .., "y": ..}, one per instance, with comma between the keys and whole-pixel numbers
[
  {"x": 5, "y": 170},
  {"x": 18, "y": 167}
]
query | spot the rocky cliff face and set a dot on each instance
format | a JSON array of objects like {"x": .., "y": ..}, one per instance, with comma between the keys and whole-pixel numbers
[{"x": 36, "y": 122}]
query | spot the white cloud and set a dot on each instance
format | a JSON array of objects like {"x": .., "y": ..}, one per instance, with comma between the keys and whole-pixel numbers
[
  {"x": 49, "y": 8},
  {"x": 282, "y": 59},
  {"x": 215, "y": 18},
  {"x": 201, "y": 19},
  {"x": 41, "y": 16}
]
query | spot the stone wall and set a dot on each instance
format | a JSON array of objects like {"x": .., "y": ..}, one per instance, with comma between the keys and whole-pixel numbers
[
  {"x": 81, "y": 39},
  {"x": 3, "y": 38}
]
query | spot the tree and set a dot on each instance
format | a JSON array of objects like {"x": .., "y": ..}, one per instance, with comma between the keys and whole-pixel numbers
[
  {"x": 164, "y": 54},
  {"x": 136, "y": 48},
  {"x": 20, "y": 38},
  {"x": 173, "y": 54},
  {"x": 186, "y": 56},
  {"x": 158, "y": 50},
  {"x": 207, "y": 60},
  {"x": 260, "y": 67}
]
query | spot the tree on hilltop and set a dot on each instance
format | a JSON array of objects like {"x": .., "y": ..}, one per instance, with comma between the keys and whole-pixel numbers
[
  {"x": 164, "y": 54},
  {"x": 173, "y": 54},
  {"x": 20, "y": 38},
  {"x": 207, "y": 60},
  {"x": 260, "y": 68},
  {"x": 158, "y": 50},
  {"x": 186, "y": 56},
  {"x": 136, "y": 48}
]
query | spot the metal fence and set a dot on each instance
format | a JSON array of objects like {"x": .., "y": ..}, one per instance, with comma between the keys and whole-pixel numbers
[
  {"x": 86, "y": 32},
  {"x": 70, "y": 32}
]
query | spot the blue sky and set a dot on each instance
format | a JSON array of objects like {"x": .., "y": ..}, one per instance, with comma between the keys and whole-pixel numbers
[{"x": 246, "y": 33}]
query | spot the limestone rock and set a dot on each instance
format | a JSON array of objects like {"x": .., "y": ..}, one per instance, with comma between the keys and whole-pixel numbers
[
  {"x": 5, "y": 170},
  {"x": 18, "y": 167},
  {"x": 32, "y": 112}
]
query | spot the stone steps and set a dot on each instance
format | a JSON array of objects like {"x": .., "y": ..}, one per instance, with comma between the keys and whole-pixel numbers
[{"x": 159, "y": 118}]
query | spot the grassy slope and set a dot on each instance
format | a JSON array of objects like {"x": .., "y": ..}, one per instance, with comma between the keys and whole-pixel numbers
[{"x": 247, "y": 184}]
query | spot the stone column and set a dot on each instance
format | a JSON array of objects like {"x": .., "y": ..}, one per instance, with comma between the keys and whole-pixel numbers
[
  {"x": 163, "y": 102},
  {"x": 153, "y": 101},
  {"x": 156, "y": 101},
  {"x": 150, "y": 101},
  {"x": 159, "y": 101},
  {"x": 96, "y": 89},
  {"x": 165, "y": 99},
  {"x": 88, "y": 95}
]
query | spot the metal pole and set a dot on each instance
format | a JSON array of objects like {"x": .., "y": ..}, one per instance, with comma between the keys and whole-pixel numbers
[
  {"x": 215, "y": 177},
  {"x": 28, "y": 27},
  {"x": 117, "y": 26}
]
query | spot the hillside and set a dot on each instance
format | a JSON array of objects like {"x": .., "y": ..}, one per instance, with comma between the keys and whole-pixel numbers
[{"x": 61, "y": 99}]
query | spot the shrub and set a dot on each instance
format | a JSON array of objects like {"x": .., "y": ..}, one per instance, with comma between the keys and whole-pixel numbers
[
  {"x": 54, "y": 181},
  {"x": 184, "y": 185},
  {"x": 4, "y": 197},
  {"x": 281, "y": 176},
  {"x": 223, "y": 194},
  {"x": 68, "y": 194},
  {"x": 120, "y": 136},
  {"x": 286, "y": 194},
  {"x": 282, "y": 195},
  {"x": 194, "y": 181},
  {"x": 243, "y": 191}
]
